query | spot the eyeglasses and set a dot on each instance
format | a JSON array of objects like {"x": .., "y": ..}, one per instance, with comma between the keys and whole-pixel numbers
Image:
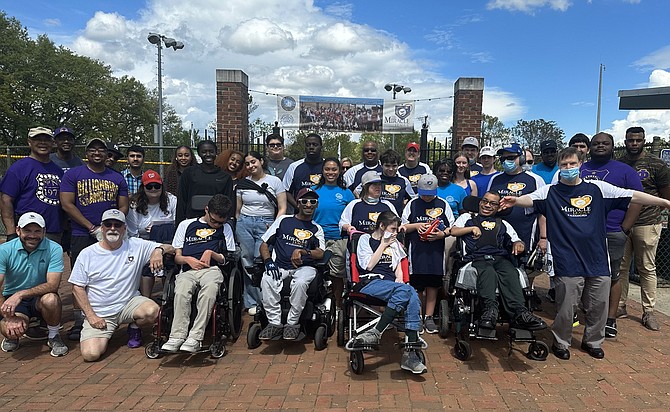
[
  {"x": 530, "y": 161},
  {"x": 153, "y": 186},
  {"x": 505, "y": 158},
  {"x": 306, "y": 202},
  {"x": 97, "y": 149},
  {"x": 489, "y": 202},
  {"x": 112, "y": 224},
  {"x": 275, "y": 145},
  {"x": 369, "y": 150},
  {"x": 213, "y": 221}
]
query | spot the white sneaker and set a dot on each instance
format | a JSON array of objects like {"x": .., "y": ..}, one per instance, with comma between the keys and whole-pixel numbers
[
  {"x": 252, "y": 311},
  {"x": 191, "y": 345},
  {"x": 172, "y": 345}
]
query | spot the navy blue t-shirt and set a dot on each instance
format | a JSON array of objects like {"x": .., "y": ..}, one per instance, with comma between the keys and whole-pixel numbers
[
  {"x": 518, "y": 185},
  {"x": 385, "y": 266},
  {"x": 576, "y": 224},
  {"x": 396, "y": 189},
  {"x": 302, "y": 174},
  {"x": 415, "y": 173},
  {"x": 289, "y": 233},
  {"x": 358, "y": 175},
  {"x": 494, "y": 233},
  {"x": 363, "y": 216},
  {"x": 194, "y": 237},
  {"x": 426, "y": 258}
]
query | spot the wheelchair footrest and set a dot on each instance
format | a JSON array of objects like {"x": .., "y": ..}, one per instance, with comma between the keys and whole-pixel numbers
[
  {"x": 488, "y": 334},
  {"x": 521, "y": 335},
  {"x": 353, "y": 346},
  {"x": 420, "y": 344}
]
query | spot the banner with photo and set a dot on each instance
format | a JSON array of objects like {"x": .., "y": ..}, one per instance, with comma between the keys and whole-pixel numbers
[{"x": 345, "y": 114}]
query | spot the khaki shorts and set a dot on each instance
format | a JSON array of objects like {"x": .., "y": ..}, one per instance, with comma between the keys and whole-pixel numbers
[
  {"x": 337, "y": 263},
  {"x": 113, "y": 322}
]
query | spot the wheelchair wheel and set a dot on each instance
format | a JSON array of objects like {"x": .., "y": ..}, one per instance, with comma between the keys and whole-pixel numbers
[
  {"x": 320, "y": 338},
  {"x": 217, "y": 350},
  {"x": 234, "y": 315},
  {"x": 443, "y": 327},
  {"x": 151, "y": 350},
  {"x": 462, "y": 350},
  {"x": 356, "y": 362},
  {"x": 538, "y": 351},
  {"x": 253, "y": 336},
  {"x": 340, "y": 327}
]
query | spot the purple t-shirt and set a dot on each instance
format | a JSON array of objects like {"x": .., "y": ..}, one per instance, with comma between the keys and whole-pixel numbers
[
  {"x": 94, "y": 193},
  {"x": 615, "y": 173},
  {"x": 35, "y": 187}
]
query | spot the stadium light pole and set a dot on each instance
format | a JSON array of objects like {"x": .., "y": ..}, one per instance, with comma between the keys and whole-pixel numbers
[
  {"x": 158, "y": 40},
  {"x": 396, "y": 88}
]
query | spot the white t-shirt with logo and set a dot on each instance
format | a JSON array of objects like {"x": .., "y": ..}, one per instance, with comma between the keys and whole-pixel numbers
[{"x": 112, "y": 277}]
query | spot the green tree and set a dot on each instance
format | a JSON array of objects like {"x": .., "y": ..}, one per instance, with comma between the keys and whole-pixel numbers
[
  {"x": 494, "y": 132},
  {"x": 530, "y": 133}
]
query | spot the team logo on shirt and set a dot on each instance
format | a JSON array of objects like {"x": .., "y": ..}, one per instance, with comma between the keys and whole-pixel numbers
[
  {"x": 488, "y": 225},
  {"x": 388, "y": 251},
  {"x": 315, "y": 178},
  {"x": 373, "y": 216},
  {"x": 581, "y": 202},
  {"x": 414, "y": 179},
  {"x": 302, "y": 234},
  {"x": 130, "y": 260},
  {"x": 515, "y": 187},
  {"x": 643, "y": 173},
  {"x": 392, "y": 189},
  {"x": 434, "y": 212},
  {"x": 48, "y": 188},
  {"x": 205, "y": 232},
  {"x": 588, "y": 174},
  {"x": 473, "y": 173}
]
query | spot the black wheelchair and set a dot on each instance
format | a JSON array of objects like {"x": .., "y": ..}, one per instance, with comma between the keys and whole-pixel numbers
[
  {"x": 226, "y": 317},
  {"x": 317, "y": 319},
  {"x": 361, "y": 312},
  {"x": 462, "y": 308}
]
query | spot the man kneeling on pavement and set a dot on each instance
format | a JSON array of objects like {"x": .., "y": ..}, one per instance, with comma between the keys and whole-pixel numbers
[
  {"x": 31, "y": 267},
  {"x": 298, "y": 242},
  {"x": 485, "y": 237},
  {"x": 198, "y": 246}
]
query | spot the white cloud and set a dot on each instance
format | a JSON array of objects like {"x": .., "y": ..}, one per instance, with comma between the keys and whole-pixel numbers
[
  {"x": 654, "y": 122},
  {"x": 52, "y": 23},
  {"x": 660, "y": 59},
  {"x": 289, "y": 47},
  {"x": 343, "y": 10},
  {"x": 528, "y": 6}
]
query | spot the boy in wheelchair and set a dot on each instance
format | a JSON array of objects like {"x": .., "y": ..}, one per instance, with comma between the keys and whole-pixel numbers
[
  {"x": 379, "y": 256},
  {"x": 197, "y": 244},
  {"x": 297, "y": 243},
  {"x": 485, "y": 237}
]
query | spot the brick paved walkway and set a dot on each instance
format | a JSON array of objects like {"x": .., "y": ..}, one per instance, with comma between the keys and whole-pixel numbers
[{"x": 633, "y": 376}]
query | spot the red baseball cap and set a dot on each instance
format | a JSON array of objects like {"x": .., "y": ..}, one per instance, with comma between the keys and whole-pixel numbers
[
  {"x": 414, "y": 145},
  {"x": 151, "y": 177}
]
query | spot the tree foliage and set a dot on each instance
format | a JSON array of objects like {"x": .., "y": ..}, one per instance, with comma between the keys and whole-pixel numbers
[
  {"x": 42, "y": 84},
  {"x": 494, "y": 132},
  {"x": 530, "y": 133}
]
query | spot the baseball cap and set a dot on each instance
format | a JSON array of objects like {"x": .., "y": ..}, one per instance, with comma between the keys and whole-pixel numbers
[
  {"x": 36, "y": 131},
  {"x": 306, "y": 192},
  {"x": 63, "y": 130},
  {"x": 31, "y": 217},
  {"x": 414, "y": 145},
  {"x": 472, "y": 141},
  {"x": 548, "y": 144},
  {"x": 427, "y": 185},
  {"x": 370, "y": 177},
  {"x": 95, "y": 140},
  {"x": 113, "y": 214},
  {"x": 114, "y": 148},
  {"x": 487, "y": 151},
  {"x": 151, "y": 176},
  {"x": 513, "y": 148}
]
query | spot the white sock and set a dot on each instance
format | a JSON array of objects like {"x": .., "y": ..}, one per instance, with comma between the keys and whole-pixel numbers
[
  {"x": 133, "y": 326},
  {"x": 53, "y": 330}
]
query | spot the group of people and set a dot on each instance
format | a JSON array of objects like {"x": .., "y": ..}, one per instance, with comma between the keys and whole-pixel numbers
[{"x": 116, "y": 227}]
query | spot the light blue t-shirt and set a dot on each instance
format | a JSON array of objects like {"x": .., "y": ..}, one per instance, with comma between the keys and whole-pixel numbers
[
  {"x": 23, "y": 270},
  {"x": 545, "y": 172},
  {"x": 332, "y": 201},
  {"x": 454, "y": 195}
]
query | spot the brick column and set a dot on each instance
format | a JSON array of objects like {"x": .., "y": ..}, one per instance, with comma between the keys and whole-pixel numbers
[
  {"x": 468, "y": 95},
  {"x": 232, "y": 110}
]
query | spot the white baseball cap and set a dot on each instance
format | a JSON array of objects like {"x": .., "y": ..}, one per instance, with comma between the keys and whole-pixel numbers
[
  {"x": 31, "y": 217},
  {"x": 487, "y": 151},
  {"x": 472, "y": 141},
  {"x": 113, "y": 214}
]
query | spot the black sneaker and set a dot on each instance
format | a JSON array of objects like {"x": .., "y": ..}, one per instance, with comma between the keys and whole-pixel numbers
[
  {"x": 526, "y": 320},
  {"x": 488, "y": 319},
  {"x": 536, "y": 302},
  {"x": 610, "y": 328}
]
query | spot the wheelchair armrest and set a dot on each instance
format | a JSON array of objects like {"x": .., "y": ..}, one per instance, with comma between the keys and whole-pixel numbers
[{"x": 323, "y": 262}]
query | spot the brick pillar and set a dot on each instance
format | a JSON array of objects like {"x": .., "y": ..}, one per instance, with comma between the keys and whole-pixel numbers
[
  {"x": 468, "y": 95},
  {"x": 232, "y": 110}
]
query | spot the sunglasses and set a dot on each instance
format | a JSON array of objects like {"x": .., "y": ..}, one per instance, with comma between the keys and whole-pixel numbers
[
  {"x": 213, "y": 221},
  {"x": 275, "y": 145},
  {"x": 306, "y": 202},
  {"x": 112, "y": 224},
  {"x": 369, "y": 150},
  {"x": 489, "y": 202},
  {"x": 530, "y": 162},
  {"x": 153, "y": 186},
  {"x": 502, "y": 159}
]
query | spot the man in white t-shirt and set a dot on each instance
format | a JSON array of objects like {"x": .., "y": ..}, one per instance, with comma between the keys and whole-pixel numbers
[{"x": 105, "y": 283}]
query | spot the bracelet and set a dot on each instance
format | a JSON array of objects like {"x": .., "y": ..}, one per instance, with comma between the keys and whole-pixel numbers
[
  {"x": 161, "y": 249},
  {"x": 543, "y": 238}
]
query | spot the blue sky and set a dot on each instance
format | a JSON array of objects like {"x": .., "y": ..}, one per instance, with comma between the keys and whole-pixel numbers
[{"x": 539, "y": 58}]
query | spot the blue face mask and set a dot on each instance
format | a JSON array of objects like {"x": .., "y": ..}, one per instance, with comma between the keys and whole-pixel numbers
[
  {"x": 509, "y": 166},
  {"x": 569, "y": 174}
]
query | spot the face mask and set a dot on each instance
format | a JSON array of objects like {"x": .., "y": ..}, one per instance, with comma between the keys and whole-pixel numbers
[
  {"x": 569, "y": 174},
  {"x": 509, "y": 166},
  {"x": 372, "y": 200},
  {"x": 388, "y": 235},
  {"x": 471, "y": 161},
  {"x": 526, "y": 167}
]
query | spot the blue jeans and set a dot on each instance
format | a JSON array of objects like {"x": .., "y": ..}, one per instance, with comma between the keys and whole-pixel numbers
[
  {"x": 398, "y": 296},
  {"x": 249, "y": 231}
]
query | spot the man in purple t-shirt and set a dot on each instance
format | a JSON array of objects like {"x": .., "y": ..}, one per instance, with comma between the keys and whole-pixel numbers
[
  {"x": 619, "y": 223},
  {"x": 32, "y": 184},
  {"x": 86, "y": 192}
]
